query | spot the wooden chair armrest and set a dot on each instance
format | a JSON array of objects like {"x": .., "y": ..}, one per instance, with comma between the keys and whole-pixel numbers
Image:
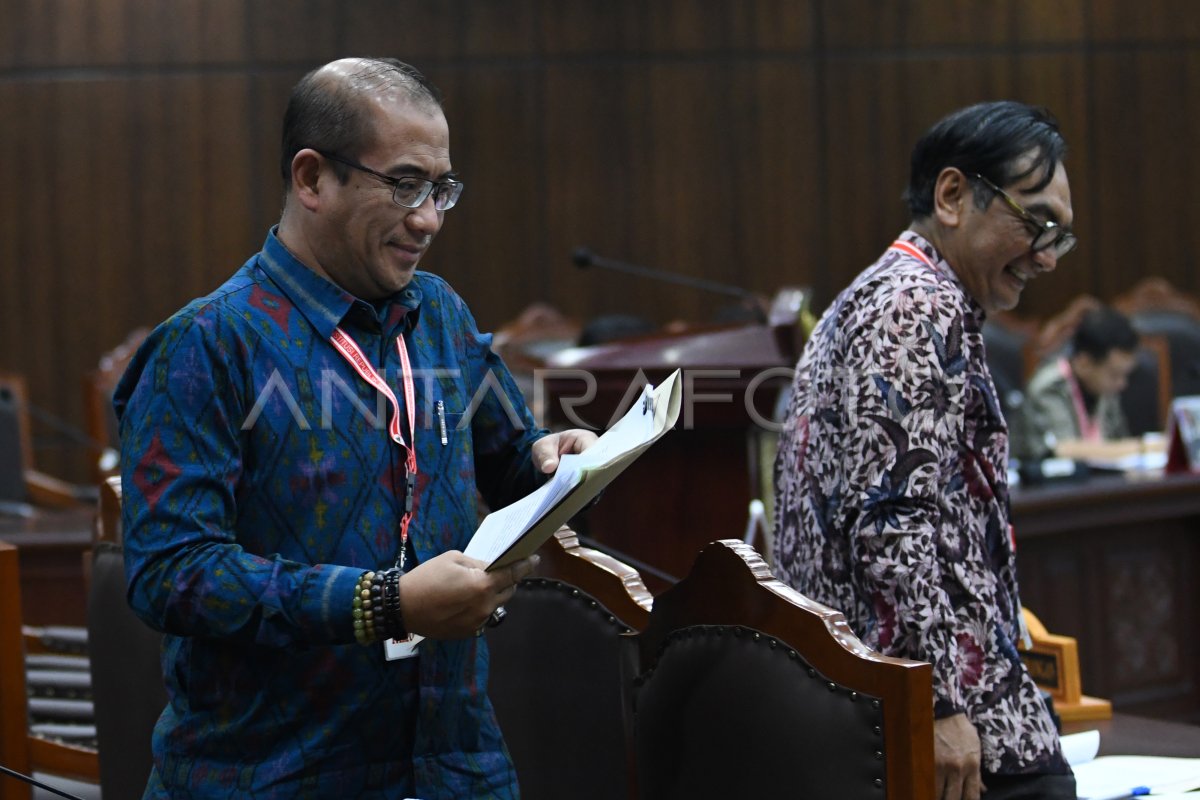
[{"x": 50, "y": 492}]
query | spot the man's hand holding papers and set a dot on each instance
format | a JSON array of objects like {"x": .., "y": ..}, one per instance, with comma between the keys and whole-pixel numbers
[{"x": 517, "y": 530}]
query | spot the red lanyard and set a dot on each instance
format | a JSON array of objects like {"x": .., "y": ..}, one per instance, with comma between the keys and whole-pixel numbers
[
  {"x": 905, "y": 247},
  {"x": 353, "y": 354},
  {"x": 1088, "y": 429}
]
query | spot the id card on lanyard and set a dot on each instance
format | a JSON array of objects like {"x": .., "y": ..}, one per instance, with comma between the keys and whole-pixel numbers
[{"x": 349, "y": 349}]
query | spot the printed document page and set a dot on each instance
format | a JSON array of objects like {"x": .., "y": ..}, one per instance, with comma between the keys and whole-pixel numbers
[
  {"x": 517, "y": 530},
  {"x": 1112, "y": 777}
]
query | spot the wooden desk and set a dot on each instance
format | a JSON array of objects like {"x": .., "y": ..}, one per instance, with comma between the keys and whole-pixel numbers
[
  {"x": 50, "y": 546},
  {"x": 1116, "y": 564},
  {"x": 1128, "y": 735},
  {"x": 694, "y": 486}
]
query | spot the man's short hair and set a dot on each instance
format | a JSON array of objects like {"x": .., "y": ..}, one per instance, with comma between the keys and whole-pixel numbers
[
  {"x": 1103, "y": 330},
  {"x": 988, "y": 139},
  {"x": 330, "y": 115}
]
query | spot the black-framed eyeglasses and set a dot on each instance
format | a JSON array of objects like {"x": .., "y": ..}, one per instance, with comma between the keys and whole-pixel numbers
[
  {"x": 410, "y": 191},
  {"x": 1047, "y": 234}
]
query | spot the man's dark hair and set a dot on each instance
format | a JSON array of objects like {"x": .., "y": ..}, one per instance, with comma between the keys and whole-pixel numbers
[
  {"x": 329, "y": 115},
  {"x": 1103, "y": 330},
  {"x": 988, "y": 139}
]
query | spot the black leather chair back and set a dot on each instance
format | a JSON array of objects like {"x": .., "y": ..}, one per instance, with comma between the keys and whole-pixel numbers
[
  {"x": 727, "y": 711},
  {"x": 1141, "y": 400},
  {"x": 1182, "y": 332},
  {"x": 127, "y": 685},
  {"x": 555, "y": 677},
  {"x": 745, "y": 688},
  {"x": 1005, "y": 349}
]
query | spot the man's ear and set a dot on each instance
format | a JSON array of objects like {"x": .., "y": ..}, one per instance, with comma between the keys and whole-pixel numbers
[
  {"x": 951, "y": 194},
  {"x": 306, "y": 176}
]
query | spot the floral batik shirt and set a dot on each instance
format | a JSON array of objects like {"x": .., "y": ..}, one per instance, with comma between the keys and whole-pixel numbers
[{"x": 892, "y": 498}]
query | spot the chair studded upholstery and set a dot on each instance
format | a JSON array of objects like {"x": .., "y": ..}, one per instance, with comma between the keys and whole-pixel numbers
[
  {"x": 745, "y": 688},
  {"x": 730, "y": 695},
  {"x": 555, "y": 675}
]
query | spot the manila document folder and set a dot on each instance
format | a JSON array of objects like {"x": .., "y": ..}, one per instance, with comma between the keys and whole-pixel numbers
[{"x": 518, "y": 530}]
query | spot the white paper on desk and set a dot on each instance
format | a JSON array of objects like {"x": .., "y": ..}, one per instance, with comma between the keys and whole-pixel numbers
[
  {"x": 1134, "y": 462},
  {"x": 651, "y": 415},
  {"x": 1080, "y": 748},
  {"x": 1109, "y": 777}
]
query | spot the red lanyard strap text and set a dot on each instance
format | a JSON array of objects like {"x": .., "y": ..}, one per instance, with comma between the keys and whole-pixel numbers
[{"x": 354, "y": 355}]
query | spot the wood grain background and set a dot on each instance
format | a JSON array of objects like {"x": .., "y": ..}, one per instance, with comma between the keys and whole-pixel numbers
[{"x": 758, "y": 142}]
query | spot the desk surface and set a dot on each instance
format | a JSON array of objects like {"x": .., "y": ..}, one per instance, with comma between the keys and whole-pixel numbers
[
  {"x": 1102, "y": 501},
  {"x": 1127, "y": 735},
  {"x": 49, "y": 527},
  {"x": 50, "y": 547}
]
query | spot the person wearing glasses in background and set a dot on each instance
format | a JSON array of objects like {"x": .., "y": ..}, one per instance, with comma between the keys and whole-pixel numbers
[
  {"x": 1073, "y": 402},
  {"x": 301, "y": 454},
  {"x": 891, "y": 495}
]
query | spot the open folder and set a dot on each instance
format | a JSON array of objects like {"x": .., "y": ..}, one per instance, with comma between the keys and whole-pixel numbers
[{"x": 518, "y": 530}]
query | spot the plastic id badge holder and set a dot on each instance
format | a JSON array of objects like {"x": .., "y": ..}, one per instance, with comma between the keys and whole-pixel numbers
[{"x": 396, "y": 649}]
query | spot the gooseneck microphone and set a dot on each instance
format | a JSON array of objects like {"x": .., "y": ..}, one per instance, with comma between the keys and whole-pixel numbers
[{"x": 585, "y": 258}]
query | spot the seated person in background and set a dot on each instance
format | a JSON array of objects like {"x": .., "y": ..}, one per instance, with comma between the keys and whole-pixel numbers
[{"x": 1077, "y": 398}]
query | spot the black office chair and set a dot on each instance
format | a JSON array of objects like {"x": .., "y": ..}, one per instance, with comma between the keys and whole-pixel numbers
[
  {"x": 1182, "y": 333},
  {"x": 127, "y": 685},
  {"x": 555, "y": 675},
  {"x": 742, "y": 687},
  {"x": 1146, "y": 394},
  {"x": 1004, "y": 345}
]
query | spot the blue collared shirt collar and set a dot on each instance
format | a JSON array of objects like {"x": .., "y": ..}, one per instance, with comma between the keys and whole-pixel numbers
[{"x": 325, "y": 304}]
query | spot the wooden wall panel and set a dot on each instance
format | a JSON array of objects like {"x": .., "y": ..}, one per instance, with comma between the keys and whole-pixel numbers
[
  {"x": 450, "y": 30},
  {"x": 198, "y": 32},
  {"x": 141, "y": 144},
  {"x": 294, "y": 31},
  {"x": 111, "y": 233},
  {"x": 1160, "y": 21},
  {"x": 121, "y": 33},
  {"x": 1144, "y": 168},
  {"x": 1059, "y": 82},
  {"x": 878, "y": 109},
  {"x": 269, "y": 90},
  {"x": 490, "y": 245},
  {"x": 973, "y": 24},
  {"x": 667, "y": 165},
  {"x": 581, "y": 27}
]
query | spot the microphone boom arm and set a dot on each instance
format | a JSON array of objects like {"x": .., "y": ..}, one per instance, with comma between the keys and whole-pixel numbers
[{"x": 584, "y": 258}]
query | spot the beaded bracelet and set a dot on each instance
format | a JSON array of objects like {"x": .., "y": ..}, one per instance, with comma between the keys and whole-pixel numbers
[
  {"x": 376, "y": 607},
  {"x": 364, "y": 610},
  {"x": 391, "y": 605}
]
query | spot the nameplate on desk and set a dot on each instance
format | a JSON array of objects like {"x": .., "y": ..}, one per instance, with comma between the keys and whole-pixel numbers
[
  {"x": 1183, "y": 435},
  {"x": 1044, "y": 669}
]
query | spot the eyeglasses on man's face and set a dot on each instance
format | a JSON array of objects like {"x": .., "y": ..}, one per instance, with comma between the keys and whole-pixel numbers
[
  {"x": 410, "y": 191},
  {"x": 1047, "y": 234}
]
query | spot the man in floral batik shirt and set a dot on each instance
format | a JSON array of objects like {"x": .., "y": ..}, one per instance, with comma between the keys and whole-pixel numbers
[{"x": 891, "y": 485}]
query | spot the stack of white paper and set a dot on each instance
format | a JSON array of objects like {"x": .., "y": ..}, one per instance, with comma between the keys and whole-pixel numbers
[
  {"x": 1112, "y": 777},
  {"x": 515, "y": 531}
]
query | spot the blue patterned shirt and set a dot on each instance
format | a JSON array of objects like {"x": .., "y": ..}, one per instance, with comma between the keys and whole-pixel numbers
[{"x": 259, "y": 482}]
